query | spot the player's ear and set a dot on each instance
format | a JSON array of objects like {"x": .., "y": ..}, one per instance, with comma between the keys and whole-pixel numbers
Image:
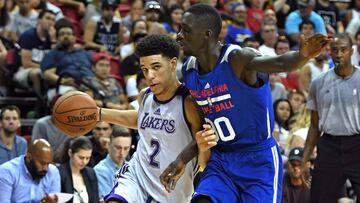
[
  {"x": 173, "y": 62},
  {"x": 69, "y": 152},
  {"x": 208, "y": 33}
]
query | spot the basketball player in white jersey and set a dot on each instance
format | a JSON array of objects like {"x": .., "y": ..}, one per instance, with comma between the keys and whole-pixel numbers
[{"x": 166, "y": 120}]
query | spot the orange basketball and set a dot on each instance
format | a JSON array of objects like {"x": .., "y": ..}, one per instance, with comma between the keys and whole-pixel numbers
[{"x": 75, "y": 113}]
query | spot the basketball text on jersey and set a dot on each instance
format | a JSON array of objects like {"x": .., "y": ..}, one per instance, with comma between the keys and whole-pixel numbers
[
  {"x": 213, "y": 103},
  {"x": 157, "y": 123}
]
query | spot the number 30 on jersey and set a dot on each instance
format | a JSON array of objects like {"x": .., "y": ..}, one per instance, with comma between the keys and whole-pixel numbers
[{"x": 219, "y": 124}]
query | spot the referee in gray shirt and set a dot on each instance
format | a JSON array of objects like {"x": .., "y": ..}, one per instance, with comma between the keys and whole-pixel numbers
[{"x": 334, "y": 101}]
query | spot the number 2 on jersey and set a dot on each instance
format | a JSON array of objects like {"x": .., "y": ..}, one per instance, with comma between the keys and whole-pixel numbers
[
  {"x": 156, "y": 145},
  {"x": 218, "y": 129}
]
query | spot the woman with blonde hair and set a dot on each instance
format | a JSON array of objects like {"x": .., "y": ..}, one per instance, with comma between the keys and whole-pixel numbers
[{"x": 298, "y": 129}]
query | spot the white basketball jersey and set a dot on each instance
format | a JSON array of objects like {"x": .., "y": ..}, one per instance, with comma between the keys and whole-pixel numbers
[{"x": 164, "y": 133}]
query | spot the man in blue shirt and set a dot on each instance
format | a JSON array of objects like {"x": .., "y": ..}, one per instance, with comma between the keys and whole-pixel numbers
[
  {"x": 66, "y": 59},
  {"x": 30, "y": 178},
  {"x": 305, "y": 11},
  {"x": 119, "y": 148},
  {"x": 11, "y": 145}
]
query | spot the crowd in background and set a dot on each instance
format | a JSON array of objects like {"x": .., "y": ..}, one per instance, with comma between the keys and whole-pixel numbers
[{"x": 50, "y": 47}]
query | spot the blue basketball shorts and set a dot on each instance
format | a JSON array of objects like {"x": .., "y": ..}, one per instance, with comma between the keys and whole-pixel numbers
[{"x": 243, "y": 176}]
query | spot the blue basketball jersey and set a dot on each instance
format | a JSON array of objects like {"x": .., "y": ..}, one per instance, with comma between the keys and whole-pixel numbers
[{"x": 241, "y": 114}]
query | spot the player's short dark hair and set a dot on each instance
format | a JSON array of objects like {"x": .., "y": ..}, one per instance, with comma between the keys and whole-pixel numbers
[
  {"x": 306, "y": 22},
  {"x": 208, "y": 16},
  {"x": 63, "y": 23},
  {"x": 10, "y": 108},
  {"x": 344, "y": 36},
  {"x": 45, "y": 11},
  {"x": 158, "y": 44}
]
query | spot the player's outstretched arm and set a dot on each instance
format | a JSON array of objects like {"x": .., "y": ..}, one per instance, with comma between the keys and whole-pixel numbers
[
  {"x": 309, "y": 48},
  {"x": 125, "y": 118}
]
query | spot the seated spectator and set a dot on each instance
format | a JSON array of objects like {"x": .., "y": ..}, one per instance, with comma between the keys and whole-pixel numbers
[
  {"x": 100, "y": 140},
  {"x": 119, "y": 148},
  {"x": 278, "y": 90},
  {"x": 299, "y": 129},
  {"x": 30, "y": 178},
  {"x": 282, "y": 115},
  {"x": 238, "y": 30},
  {"x": 297, "y": 100},
  {"x": 331, "y": 16},
  {"x": 295, "y": 190},
  {"x": 138, "y": 26},
  {"x": 136, "y": 13},
  {"x": 305, "y": 11},
  {"x": 312, "y": 70},
  {"x": 22, "y": 19},
  {"x": 35, "y": 43},
  {"x": 255, "y": 15},
  {"x": 5, "y": 18},
  {"x": 65, "y": 60},
  {"x": 224, "y": 29},
  {"x": 45, "y": 128},
  {"x": 140, "y": 84},
  {"x": 307, "y": 28},
  {"x": 173, "y": 26},
  {"x": 152, "y": 14},
  {"x": 269, "y": 33},
  {"x": 11, "y": 144},
  {"x": 93, "y": 8},
  {"x": 129, "y": 68},
  {"x": 76, "y": 177},
  {"x": 103, "y": 33},
  {"x": 352, "y": 27},
  {"x": 355, "y": 57},
  {"x": 40, "y": 5},
  {"x": 106, "y": 91},
  {"x": 251, "y": 42},
  {"x": 3, "y": 53}
]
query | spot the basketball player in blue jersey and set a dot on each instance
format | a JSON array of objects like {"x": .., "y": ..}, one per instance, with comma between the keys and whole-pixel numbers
[
  {"x": 167, "y": 118},
  {"x": 231, "y": 85}
]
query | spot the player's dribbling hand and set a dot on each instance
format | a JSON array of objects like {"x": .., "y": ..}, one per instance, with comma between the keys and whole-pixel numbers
[
  {"x": 206, "y": 138},
  {"x": 49, "y": 199},
  {"x": 172, "y": 174},
  {"x": 313, "y": 46}
]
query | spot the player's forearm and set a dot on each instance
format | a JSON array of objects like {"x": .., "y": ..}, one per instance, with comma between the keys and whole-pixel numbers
[
  {"x": 125, "y": 118},
  {"x": 311, "y": 140},
  {"x": 189, "y": 152},
  {"x": 283, "y": 63},
  {"x": 203, "y": 158}
]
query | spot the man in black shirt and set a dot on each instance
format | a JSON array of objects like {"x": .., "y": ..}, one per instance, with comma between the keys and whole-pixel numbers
[{"x": 294, "y": 188}]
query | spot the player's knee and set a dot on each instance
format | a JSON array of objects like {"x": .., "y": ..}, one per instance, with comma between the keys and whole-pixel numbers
[{"x": 202, "y": 199}]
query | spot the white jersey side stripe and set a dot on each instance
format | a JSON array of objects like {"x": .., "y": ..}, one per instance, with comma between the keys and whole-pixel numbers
[{"x": 276, "y": 174}]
